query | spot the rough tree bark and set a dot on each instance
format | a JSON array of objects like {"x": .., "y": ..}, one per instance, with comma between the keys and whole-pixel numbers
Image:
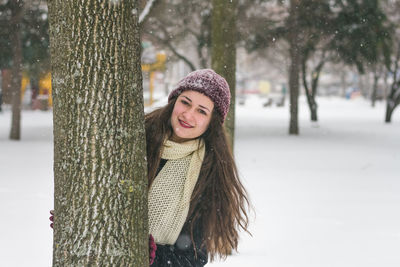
[
  {"x": 16, "y": 71},
  {"x": 99, "y": 142},
  {"x": 223, "y": 52},
  {"x": 294, "y": 68}
]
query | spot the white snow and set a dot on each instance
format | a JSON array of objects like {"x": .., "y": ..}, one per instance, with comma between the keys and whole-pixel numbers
[{"x": 327, "y": 198}]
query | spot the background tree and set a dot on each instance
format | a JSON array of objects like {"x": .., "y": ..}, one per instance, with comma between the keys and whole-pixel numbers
[
  {"x": 353, "y": 32},
  {"x": 12, "y": 12},
  {"x": 393, "y": 99},
  {"x": 99, "y": 142},
  {"x": 294, "y": 69},
  {"x": 363, "y": 37},
  {"x": 177, "y": 24},
  {"x": 16, "y": 70},
  {"x": 184, "y": 29},
  {"x": 392, "y": 9},
  {"x": 35, "y": 39},
  {"x": 23, "y": 47},
  {"x": 283, "y": 21},
  {"x": 316, "y": 34},
  {"x": 223, "y": 55}
]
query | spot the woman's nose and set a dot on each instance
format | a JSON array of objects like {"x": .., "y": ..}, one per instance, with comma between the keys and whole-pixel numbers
[{"x": 188, "y": 114}]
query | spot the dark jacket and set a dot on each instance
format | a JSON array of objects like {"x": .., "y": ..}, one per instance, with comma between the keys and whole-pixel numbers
[{"x": 182, "y": 253}]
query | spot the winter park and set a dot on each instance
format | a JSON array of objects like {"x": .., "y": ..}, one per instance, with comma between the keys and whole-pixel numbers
[{"x": 119, "y": 117}]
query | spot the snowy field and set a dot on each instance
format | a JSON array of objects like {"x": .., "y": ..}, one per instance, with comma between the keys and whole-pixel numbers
[{"x": 327, "y": 198}]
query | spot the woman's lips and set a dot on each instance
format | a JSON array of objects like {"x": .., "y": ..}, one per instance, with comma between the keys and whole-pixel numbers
[{"x": 185, "y": 124}]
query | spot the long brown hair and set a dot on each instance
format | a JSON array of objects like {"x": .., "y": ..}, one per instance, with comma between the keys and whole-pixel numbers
[{"x": 219, "y": 201}]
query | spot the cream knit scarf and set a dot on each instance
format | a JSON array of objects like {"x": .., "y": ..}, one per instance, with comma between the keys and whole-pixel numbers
[{"x": 171, "y": 191}]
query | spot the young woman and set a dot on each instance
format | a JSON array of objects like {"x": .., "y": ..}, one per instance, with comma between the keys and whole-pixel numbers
[{"x": 197, "y": 203}]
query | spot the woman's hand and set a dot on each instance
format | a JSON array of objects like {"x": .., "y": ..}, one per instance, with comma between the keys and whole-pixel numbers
[
  {"x": 152, "y": 249},
  {"x": 51, "y": 218}
]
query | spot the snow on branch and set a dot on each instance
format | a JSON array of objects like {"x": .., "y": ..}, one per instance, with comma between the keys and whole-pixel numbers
[{"x": 146, "y": 10}]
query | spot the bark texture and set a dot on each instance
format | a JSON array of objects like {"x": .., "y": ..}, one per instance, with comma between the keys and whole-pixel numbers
[
  {"x": 223, "y": 53},
  {"x": 16, "y": 71},
  {"x": 100, "y": 167}
]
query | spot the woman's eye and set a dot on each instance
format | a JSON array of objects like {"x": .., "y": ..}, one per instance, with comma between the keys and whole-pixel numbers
[
  {"x": 184, "y": 102},
  {"x": 202, "y": 112}
]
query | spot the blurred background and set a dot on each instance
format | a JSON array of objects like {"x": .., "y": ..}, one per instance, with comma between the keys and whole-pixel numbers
[
  {"x": 324, "y": 177},
  {"x": 346, "y": 49}
]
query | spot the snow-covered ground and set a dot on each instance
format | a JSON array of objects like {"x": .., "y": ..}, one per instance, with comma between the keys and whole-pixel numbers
[{"x": 327, "y": 198}]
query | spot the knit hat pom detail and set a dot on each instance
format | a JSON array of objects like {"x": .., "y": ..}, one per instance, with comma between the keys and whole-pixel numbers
[{"x": 209, "y": 83}]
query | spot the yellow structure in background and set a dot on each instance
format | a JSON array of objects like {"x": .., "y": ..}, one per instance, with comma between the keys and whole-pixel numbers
[
  {"x": 24, "y": 82},
  {"x": 161, "y": 58},
  {"x": 264, "y": 87},
  {"x": 45, "y": 87},
  {"x": 45, "y": 80},
  {"x": 159, "y": 65}
]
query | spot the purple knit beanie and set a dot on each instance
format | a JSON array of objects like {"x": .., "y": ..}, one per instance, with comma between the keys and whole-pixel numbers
[{"x": 209, "y": 83}]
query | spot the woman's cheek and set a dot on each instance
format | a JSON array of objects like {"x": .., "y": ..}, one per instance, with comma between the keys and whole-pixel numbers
[{"x": 204, "y": 124}]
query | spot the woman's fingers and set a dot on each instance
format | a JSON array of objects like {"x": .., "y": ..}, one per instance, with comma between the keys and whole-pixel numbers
[{"x": 52, "y": 218}]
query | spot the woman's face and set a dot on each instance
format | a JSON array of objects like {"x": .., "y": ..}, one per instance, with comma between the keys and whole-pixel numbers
[{"x": 191, "y": 115}]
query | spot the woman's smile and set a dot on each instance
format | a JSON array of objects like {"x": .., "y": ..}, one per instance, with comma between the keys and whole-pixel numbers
[{"x": 184, "y": 124}]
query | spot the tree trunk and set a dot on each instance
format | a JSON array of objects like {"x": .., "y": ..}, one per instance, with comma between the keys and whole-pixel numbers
[
  {"x": 34, "y": 87},
  {"x": 294, "y": 67},
  {"x": 343, "y": 82},
  {"x": 16, "y": 71},
  {"x": 374, "y": 88},
  {"x": 223, "y": 53},
  {"x": 386, "y": 85},
  {"x": 312, "y": 104},
  {"x": 311, "y": 93},
  {"x": 388, "y": 114},
  {"x": 100, "y": 179},
  {"x": 314, "y": 86},
  {"x": 202, "y": 57},
  {"x": 392, "y": 101}
]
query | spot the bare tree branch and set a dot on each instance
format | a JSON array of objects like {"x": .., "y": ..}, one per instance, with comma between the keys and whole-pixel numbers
[
  {"x": 167, "y": 43},
  {"x": 146, "y": 11}
]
